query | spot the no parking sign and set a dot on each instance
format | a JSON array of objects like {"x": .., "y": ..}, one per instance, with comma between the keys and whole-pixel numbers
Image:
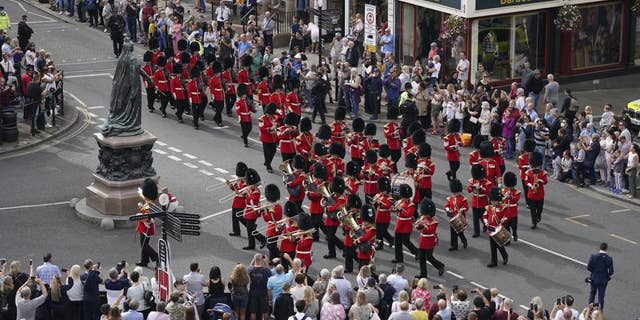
[{"x": 370, "y": 27}]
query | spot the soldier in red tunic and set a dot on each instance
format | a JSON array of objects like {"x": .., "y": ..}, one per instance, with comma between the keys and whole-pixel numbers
[
  {"x": 252, "y": 201},
  {"x": 336, "y": 152},
  {"x": 456, "y": 205},
  {"x": 499, "y": 145},
  {"x": 147, "y": 77},
  {"x": 217, "y": 87},
  {"x": 474, "y": 156},
  {"x": 305, "y": 140},
  {"x": 292, "y": 102},
  {"x": 479, "y": 187},
  {"x": 427, "y": 225},
  {"x": 349, "y": 252},
  {"x": 238, "y": 203},
  {"x": 392, "y": 135},
  {"x": 229, "y": 79},
  {"x": 370, "y": 176},
  {"x": 263, "y": 91},
  {"x": 243, "y": 110},
  {"x": 304, "y": 241},
  {"x": 382, "y": 203},
  {"x": 332, "y": 205},
  {"x": 491, "y": 167},
  {"x": 353, "y": 141},
  {"x": 324, "y": 135},
  {"x": 268, "y": 127},
  {"x": 339, "y": 127},
  {"x": 315, "y": 208},
  {"x": 405, "y": 210},
  {"x": 510, "y": 197},
  {"x": 146, "y": 228},
  {"x": 197, "y": 96},
  {"x": 279, "y": 98},
  {"x": 384, "y": 165},
  {"x": 244, "y": 76},
  {"x": 352, "y": 180},
  {"x": 523, "y": 166},
  {"x": 494, "y": 218},
  {"x": 272, "y": 214},
  {"x": 365, "y": 242},
  {"x": 452, "y": 144},
  {"x": 287, "y": 134},
  {"x": 425, "y": 170},
  {"x": 287, "y": 246},
  {"x": 417, "y": 138},
  {"x": 295, "y": 186},
  {"x": 178, "y": 92},
  {"x": 407, "y": 142},
  {"x": 321, "y": 156},
  {"x": 161, "y": 82},
  {"x": 536, "y": 178}
]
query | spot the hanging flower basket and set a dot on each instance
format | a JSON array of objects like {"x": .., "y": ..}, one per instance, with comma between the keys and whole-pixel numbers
[
  {"x": 453, "y": 27},
  {"x": 635, "y": 7},
  {"x": 568, "y": 19}
]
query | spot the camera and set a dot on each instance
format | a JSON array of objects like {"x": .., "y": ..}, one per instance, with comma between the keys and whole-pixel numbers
[
  {"x": 454, "y": 288},
  {"x": 3, "y": 261},
  {"x": 436, "y": 286},
  {"x": 474, "y": 291},
  {"x": 587, "y": 279},
  {"x": 121, "y": 265}
]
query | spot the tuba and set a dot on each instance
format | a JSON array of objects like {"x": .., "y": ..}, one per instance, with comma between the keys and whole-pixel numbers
[
  {"x": 288, "y": 175},
  {"x": 308, "y": 183}
]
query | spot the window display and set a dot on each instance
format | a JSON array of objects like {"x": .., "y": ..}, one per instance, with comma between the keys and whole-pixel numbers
[
  {"x": 637, "y": 35},
  {"x": 599, "y": 41}
]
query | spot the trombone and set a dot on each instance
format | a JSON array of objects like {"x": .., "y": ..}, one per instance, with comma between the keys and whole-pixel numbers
[
  {"x": 258, "y": 208},
  {"x": 291, "y": 235},
  {"x": 224, "y": 183},
  {"x": 266, "y": 226},
  {"x": 235, "y": 193}
]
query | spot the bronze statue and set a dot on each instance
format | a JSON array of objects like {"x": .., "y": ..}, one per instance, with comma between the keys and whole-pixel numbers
[{"x": 126, "y": 100}]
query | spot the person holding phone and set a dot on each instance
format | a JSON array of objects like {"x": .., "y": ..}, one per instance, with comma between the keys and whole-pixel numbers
[{"x": 26, "y": 306}]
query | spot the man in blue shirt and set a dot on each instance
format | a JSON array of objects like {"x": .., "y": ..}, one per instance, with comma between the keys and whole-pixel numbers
[
  {"x": 601, "y": 267},
  {"x": 386, "y": 41},
  {"x": 47, "y": 270},
  {"x": 392, "y": 86},
  {"x": 275, "y": 282}
]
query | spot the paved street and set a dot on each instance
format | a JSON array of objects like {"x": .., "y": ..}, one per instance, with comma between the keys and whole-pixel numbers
[{"x": 38, "y": 183}]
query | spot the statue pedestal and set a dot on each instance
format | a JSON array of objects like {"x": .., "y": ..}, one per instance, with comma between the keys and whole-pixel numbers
[{"x": 125, "y": 162}]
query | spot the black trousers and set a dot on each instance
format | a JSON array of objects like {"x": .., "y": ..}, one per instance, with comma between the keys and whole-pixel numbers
[
  {"x": 477, "y": 217},
  {"x": 316, "y": 222},
  {"x": 525, "y": 190},
  {"x": 425, "y": 255},
  {"x": 181, "y": 105},
  {"x": 332, "y": 240},
  {"x": 229, "y": 101},
  {"x": 455, "y": 236},
  {"x": 269, "y": 151},
  {"x": 164, "y": 101},
  {"x": 273, "y": 251},
  {"x": 453, "y": 168},
  {"x": 93, "y": 17},
  {"x": 319, "y": 107},
  {"x": 218, "y": 105},
  {"x": 400, "y": 240},
  {"x": 512, "y": 226},
  {"x": 494, "y": 254},
  {"x": 151, "y": 98},
  {"x": 117, "y": 45},
  {"x": 148, "y": 253},
  {"x": 349, "y": 255},
  {"x": 198, "y": 111},
  {"x": 251, "y": 225},
  {"x": 287, "y": 156},
  {"x": 91, "y": 308},
  {"x": 382, "y": 232},
  {"x": 535, "y": 206},
  {"x": 236, "y": 221},
  {"x": 363, "y": 262},
  {"x": 246, "y": 129},
  {"x": 395, "y": 156}
]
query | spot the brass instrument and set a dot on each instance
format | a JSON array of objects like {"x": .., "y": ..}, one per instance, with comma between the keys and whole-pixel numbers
[
  {"x": 266, "y": 226},
  {"x": 397, "y": 206},
  {"x": 241, "y": 192},
  {"x": 290, "y": 235},
  {"x": 536, "y": 183},
  {"x": 327, "y": 196},
  {"x": 376, "y": 199},
  {"x": 288, "y": 175},
  {"x": 224, "y": 183},
  {"x": 266, "y": 206},
  {"x": 308, "y": 183}
]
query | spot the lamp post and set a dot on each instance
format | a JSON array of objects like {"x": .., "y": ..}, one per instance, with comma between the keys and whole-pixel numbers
[{"x": 319, "y": 5}]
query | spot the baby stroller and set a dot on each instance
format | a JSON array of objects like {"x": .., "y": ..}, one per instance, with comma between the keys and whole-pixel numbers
[{"x": 218, "y": 310}]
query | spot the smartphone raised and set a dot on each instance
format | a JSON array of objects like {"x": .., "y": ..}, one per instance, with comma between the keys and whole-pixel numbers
[{"x": 558, "y": 301}]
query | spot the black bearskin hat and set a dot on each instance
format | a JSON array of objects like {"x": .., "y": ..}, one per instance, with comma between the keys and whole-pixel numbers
[
  {"x": 182, "y": 44},
  {"x": 324, "y": 132},
  {"x": 290, "y": 209},
  {"x": 371, "y": 156},
  {"x": 510, "y": 179},
  {"x": 270, "y": 109},
  {"x": 496, "y": 130},
  {"x": 455, "y": 186},
  {"x": 413, "y": 127},
  {"x": 148, "y": 56},
  {"x": 392, "y": 113},
  {"x": 272, "y": 192},
  {"x": 242, "y": 90},
  {"x": 228, "y": 62},
  {"x": 529, "y": 145},
  {"x": 291, "y": 119},
  {"x": 536, "y": 159},
  {"x": 424, "y": 150},
  {"x": 199, "y": 65},
  {"x": 357, "y": 125},
  {"x": 418, "y": 137},
  {"x": 335, "y": 149},
  {"x": 478, "y": 172},
  {"x": 405, "y": 191},
  {"x": 427, "y": 208},
  {"x": 370, "y": 129},
  {"x": 168, "y": 53},
  {"x": 477, "y": 140},
  {"x": 411, "y": 161},
  {"x": 320, "y": 171},
  {"x": 319, "y": 149},
  {"x": 337, "y": 185},
  {"x": 304, "y": 221},
  {"x": 162, "y": 61},
  {"x": 367, "y": 213},
  {"x": 153, "y": 43},
  {"x": 486, "y": 149},
  {"x": 384, "y": 185},
  {"x": 299, "y": 162},
  {"x": 384, "y": 151},
  {"x": 150, "y": 189},
  {"x": 263, "y": 72},
  {"x": 305, "y": 124},
  {"x": 185, "y": 58},
  {"x": 247, "y": 60},
  {"x": 353, "y": 169},
  {"x": 495, "y": 194},
  {"x": 454, "y": 125},
  {"x": 252, "y": 177},
  {"x": 177, "y": 69},
  {"x": 340, "y": 113},
  {"x": 241, "y": 169},
  {"x": 194, "y": 47},
  {"x": 195, "y": 73},
  {"x": 217, "y": 67},
  {"x": 277, "y": 82},
  {"x": 354, "y": 202}
]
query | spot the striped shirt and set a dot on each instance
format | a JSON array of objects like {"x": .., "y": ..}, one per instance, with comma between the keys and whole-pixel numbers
[
  {"x": 47, "y": 271},
  {"x": 540, "y": 135}
]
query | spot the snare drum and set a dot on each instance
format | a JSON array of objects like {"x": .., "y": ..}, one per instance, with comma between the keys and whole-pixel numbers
[
  {"x": 501, "y": 236},
  {"x": 397, "y": 180},
  {"x": 458, "y": 223}
]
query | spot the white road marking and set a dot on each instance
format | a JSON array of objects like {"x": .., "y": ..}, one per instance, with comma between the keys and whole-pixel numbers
[
  {"x": 478, "y": 285},
  {"x": 158, "y": 151},
  {"x": 174, "y": 158},
  {"x": 95, "y": 107},
  {"x": 524, "y": 307},
  {"x": 93, "y": 115},
  {"x": 223, "y": 171},
  {"x": 204, "y": 163},
  {"x": 174, "y": 149},
  {"x": 35, "y": 205},
  {"x": 221, "y": 179},
  {"x": 455, "y": 275},
  {"x": 206, "y": 173},
  {"x": 21, "y": 6},
  {"x": 160, "y": 143},
  {"x": 621, "y": 210},
  {"x": 190, "y": 156},
  {"x": 219, "y": 128},
  {"x": 622, "y": 238},
  {"x": 100, "y": 126},
  {"x": 91, "y": 75},
  {"x": 84, "y": 105},
  {"x": 39, "y": 15},
  {"x": 552, "y": 252},
  {"x": 37, "y": 22},
  {"x": 190, "y": 165},
  {"x": 102, "y": 119},
  {"x": 215, "y": 214}
]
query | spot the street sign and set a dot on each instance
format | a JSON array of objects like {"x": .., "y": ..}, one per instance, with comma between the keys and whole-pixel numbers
[
  {"x": 146, "y": 216},
  {"x": 173, "y": 223},
  {"x": 370, "y": 27},
  {"x": 190, "y": 233},
  {"x": 190, "y": 221},
  {"x": 164, "y": 287},
  {"x": 189, "y": 227},
  {"x": 183, "y": 215},
  {"x": 174, "y": 233},
  {"x": 164, "y": 254}
]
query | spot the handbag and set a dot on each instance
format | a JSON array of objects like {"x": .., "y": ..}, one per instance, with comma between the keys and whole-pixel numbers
[
  {"x": 148, "y": 296},
  {"x": 373, "y": 315}
]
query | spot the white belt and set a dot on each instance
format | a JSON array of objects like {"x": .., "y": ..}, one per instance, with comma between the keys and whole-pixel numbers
[
  {"x": 383, "y": 210},
  {"x": 294, "y": 103},
  {"x": 286, "y": 140},
  {"x": 195, "y": 92},
  {"x": 303, "y": 252},
  {"x": 427, "y": 235},
  {"x": 178, "y": 89},
  {"x": 162, "y": 81},
  {"x": 245, "y": 113},
  {"x": 480, "y": 195},
  {"x": 404, "y": 219},
  {"x": 216, "y": 89},
  {"x": 512, "y": 205},
  {"x": 266, "y": 94}
]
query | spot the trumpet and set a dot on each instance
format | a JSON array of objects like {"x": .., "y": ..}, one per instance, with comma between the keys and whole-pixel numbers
[
  {"x": 266, "y": 206},
  {"x": 290, "y": 235},
  {"x": 241, "y": 192},
  {"x": 266, "y": 226},
  {"x": 397, "y": 207},
  {"x": 224, "y": 183},
  {"x": 376, "y": 199}
]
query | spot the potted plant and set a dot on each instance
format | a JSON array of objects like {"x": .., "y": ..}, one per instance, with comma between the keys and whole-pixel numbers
[
  {"x": 453, "y": 27},
  {"x": 568, "y": 18}
]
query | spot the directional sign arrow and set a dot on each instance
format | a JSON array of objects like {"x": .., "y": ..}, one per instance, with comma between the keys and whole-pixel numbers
[
  {"x": 175, "y": 234},
  {"x": 189, "y": 227},
  {"x": 190, "y": 233},
  {"x": 146, "y": 216},
  {"x": 190, "y": 221},
  {"x": 183, "y": 215}
]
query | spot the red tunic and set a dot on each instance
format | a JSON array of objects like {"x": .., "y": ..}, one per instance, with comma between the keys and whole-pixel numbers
[
  {"x": 243, "y": 111},
  {"x": 384, "y": 167},
  {"x": 314, "y": 206},
  {"x": 244, "y": 77},
  {"x": 392, "y": 135},
  {"x": 177, "y": 91},
  {"x": 304, "y": 143},
  {"x": 271, "y": 216},
  {"x": 523, "y": 164},
  {"x": 263, "y": 93},
  {"x": 147, "y": 227},
  {"x": 369, "y": 143},
  {"x": 228, "y": 78},
  {"x": 287, "y": 135},
  {"x": 285, "y": 244},
  {"x": 252, "y": 201},
  {"x": 340, "y": 201},
  {"x": 474, "y": 157},
  {"x": 355, "y": 148},
  {"x": 428, "y": 236},
  {"x": 407, "y": 144},
  {"x": 169, "y": 67},
  {"x": 352, "y": 185},
  {"x": 531, "y": 177},
  {"x": 499, "y": 147},
  {"x": 426, "y": 169},
  {"x": 339, "y": 130},
  {"x": 154, "y": 57},
  {"x": 299, "y": 178},
  {"x": 279, "y": 99},
  {"x": 492, "y": 170},
  {"x": 216, "y": 88},
  {"x": 330, "y": 165},
  {"x": 480, "y": 192},
  {"x": 383, "y": 208},
  {"x": 338, "y": 165},
  {"x": 510, "y": 198},
  {"x": 209, "y": 72},
  {"x": 493, "y": 216},
  {"x": 303, "y": 249},
  {"x": 404, "y": 221},
  {"x": 369, "y": 237},
  {"x": 293, "y": 103},
  {"x": 161, "y": 80},
  {"x": 452, "y": 144},
  {"x": 267, "y": 125},
  {"x": 148, "y": 69},
  {"x": 194, "y": 92},
  {"x": 238, "y": 199},
  {"x": 370, "y": 180},
  {"x": 456, "y": 204}
]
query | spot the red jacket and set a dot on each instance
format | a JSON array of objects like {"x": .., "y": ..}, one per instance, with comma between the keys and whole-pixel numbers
[
  {"x": 216, "y": 87},
  {"x": 493, "y": 217},
  {"x": 384, "y": 167},
  {"x": 161, "y": 80},
  {"x": 407, "y": 144},
  {"x": 279, "y": 100},
  {"x": 293, "y": 103},
  {"x": 294, "y": 183},
  {"x": 194, "y": 92},
  {"x": 383, "y": 208},
  {"x": 339, "y": 130},
  {"x": 355, "y": 148},
  {"x": 329, "y": 164},
  {"x": 147, "y": 227},
  {"x": 340, "y": 201},
  {"x": 314, "y": 206},
  {"x": 352, "y": 184},
  {"x": 392, "y": 135},
  {"x": 404, "y": 221},
  {"x": 452, "y": 144},
  {"x": 243, "y": 111},
  {"x": 287, "y": 136},
  {"x": 271, "y": 216},
  {"x": 252, "y": 201},
  {"x": 338, "y": 166},
  {"x": 499, "y": 147},
  {"x": 148, "y": 69},
  {"x": 177, "y": 91},
  {"x": 244, "y": 77},
  {"x": 532, "y": 177},
  {"x": 263, "y": 93},
  {"x": 480, "y": 191},
  {"x": 285, "y": 244},
  {"x": 426, "y": 169},
  {"x": 268, "y": 129},
  {"x": 304, "y": 143},
  {"x": 474, "y": 157},
  {"x": 428, "y": 236},
  {"x": 456, "y": 204},
  {"x": 369, "y": 143},
  {"x": 154, "y": 57},
  {"x": 370, "y": 179},
  {"x": 369, "y": 237},
  {"x": 303, "y": 249},
  {"x": 510, "y": 198},
  {"x": 523, "y": 164},
  {"x": 228, "y": 78},
  {"x": 492, "y": 170},
  {"x": 238, "y": 200}
]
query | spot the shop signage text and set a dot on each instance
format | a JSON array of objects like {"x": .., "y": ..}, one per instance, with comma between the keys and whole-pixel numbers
[
  {"x": 455, "y": 4},
  {"x": 491, "y": 4}
]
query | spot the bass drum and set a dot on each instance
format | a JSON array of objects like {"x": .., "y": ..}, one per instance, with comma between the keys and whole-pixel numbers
[{"x": 399, "y": 179}]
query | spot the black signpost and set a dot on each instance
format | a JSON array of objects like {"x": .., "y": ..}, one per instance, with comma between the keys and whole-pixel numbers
[{"x": 174, "y": 224}]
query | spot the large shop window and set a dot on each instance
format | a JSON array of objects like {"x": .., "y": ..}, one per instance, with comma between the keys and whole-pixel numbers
[
  {"x": 598, "y": 43},
  {"x": 506, "y": 43},
  {"x": 637, "y": 50}
]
